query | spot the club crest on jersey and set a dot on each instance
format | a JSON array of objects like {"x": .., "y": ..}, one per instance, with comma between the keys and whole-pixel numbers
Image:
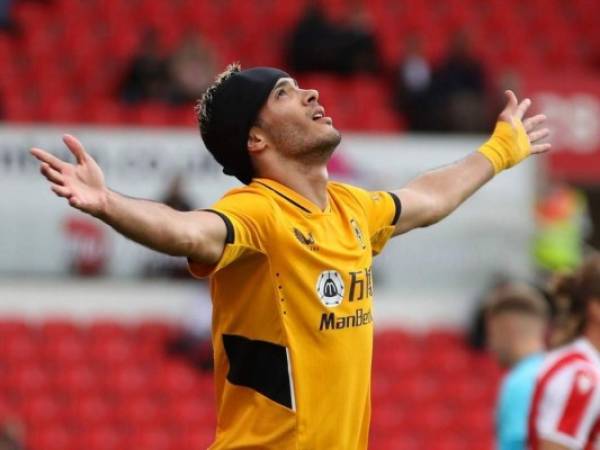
[
  {"x": 358, "y": 233},
  {"x": 330, "y": 288},
  {"x": 306, "y": 240}
]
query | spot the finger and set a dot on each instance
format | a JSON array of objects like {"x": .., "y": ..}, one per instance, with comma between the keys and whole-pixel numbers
[
  {"x": 540, "y": 148},
  {"x": 532, "y": 122},
  {"x": 522, "y": 108},
  {"x": 52, "y": 175},
  {"x": 47, "y": 158},
  {"x": 75, "y": 202},
  {"x": 536, "y": 135},
  {"x": 76, "y": 148},
  {"x": 61, "y": 191},
  {"x": 511, "y": 100}
]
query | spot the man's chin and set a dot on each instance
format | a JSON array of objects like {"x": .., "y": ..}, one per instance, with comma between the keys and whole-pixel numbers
[{"x": 334, "y": 136}]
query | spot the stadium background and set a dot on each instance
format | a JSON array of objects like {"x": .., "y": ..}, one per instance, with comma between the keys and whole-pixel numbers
[{"x": 103, "y": 343}]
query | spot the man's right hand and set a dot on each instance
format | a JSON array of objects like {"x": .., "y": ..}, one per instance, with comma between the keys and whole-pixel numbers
[
  {"x": 82, "y": 183},
  {"x": 197, "y": 235}
]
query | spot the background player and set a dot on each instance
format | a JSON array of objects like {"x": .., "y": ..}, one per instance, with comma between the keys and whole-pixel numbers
[
  {"x": 565, "y": 412},
  {"x": 516, "y": 324},
  {"x": 274, "y": 136}
]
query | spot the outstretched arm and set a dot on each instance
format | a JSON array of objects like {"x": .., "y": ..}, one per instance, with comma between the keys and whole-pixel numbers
[
  {"x": 197, "y": 235},
  {"x": 435, "y": 194}
]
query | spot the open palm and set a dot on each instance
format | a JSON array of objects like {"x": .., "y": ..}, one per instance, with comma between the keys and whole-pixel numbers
[
  {"x": 82, "y": 183},
  {"x": 514, "y": 113}
]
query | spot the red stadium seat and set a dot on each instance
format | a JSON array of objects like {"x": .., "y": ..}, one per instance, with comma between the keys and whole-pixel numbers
[
  {"x": 63, "y": 349},
  {"x": 150, "y": 438},
  {"x": 190, "y": 413},
  {"x": 104, "y": 111},
  {"x": 10, "y": 327},
  {"x": 91, "y": 410},
  {"x": 127, "y": 380},
  {"x": 27, "y": 378},
  {"x": 193, "y": 439},
  {"x": 108, "y": 329},
  {"x": 16, "y": 346},
  {"x": 178, "y": 380},
  {"x": 60, "y": 328},
  {"x": 73, "y": 394},
  {"x": 100, "y": 438},
  {"x": 42, "y": 410},
  {"x": 51, "y": 437},
  {"x": 142, "y": 410},
  {"x": 76, "y": 379},
  {"x": 111, "y": 352},
  {"x": 69, "y": 36}
]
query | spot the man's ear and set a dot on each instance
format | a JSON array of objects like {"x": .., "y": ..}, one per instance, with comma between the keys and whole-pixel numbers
[
  {"x": 594, "y": 310},
  {"x": 257, "y": 141}
]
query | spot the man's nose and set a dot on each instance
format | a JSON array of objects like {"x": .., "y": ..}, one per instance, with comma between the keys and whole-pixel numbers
[{"x": 310, "y": 96}]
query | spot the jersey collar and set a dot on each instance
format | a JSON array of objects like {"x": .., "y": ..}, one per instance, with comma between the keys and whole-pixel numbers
[{"x": 292, "y": 196}]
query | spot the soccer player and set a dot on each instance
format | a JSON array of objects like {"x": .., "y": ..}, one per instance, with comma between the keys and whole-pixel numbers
[
  {"x": 516, "y": 323},
  {"x": 289, "y": 254},
  {"x": 565, "y": 411}
]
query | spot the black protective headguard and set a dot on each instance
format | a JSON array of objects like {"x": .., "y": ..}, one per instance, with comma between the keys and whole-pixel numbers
[{"x": 234, "y": 106}]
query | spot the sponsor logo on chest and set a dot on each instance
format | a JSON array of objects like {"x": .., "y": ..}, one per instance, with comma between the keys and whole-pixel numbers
[{"x": 331, "y": 291}]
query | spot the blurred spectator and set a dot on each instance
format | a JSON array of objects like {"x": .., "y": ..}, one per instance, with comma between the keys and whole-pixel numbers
[
  {"x": 11, "y": 435},
  {"x": 357, "y": 40},
  {"x": 6, "y": 22},
  {"x": 477, "y": 330},
  {"x": 316, "y": 44},
  {"x": 459, "y": 90},
  {"x": 592, "y": 195},
  {"x": 562, "y": 224},
  {"x": 191, "y": 69},
  {"x": 146, "y": 77},
  {"x": 517, "y": 318},
  {"x": 194, "y": 344},
  {"x": 310, "y": 43},
  {"x": 175, "y": 196},
  {"x": 413, "y": 87},
  {"x": 161, "y": 265}
]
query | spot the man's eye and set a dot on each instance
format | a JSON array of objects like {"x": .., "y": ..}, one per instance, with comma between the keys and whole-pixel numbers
[{"x": 280, "y": 92}]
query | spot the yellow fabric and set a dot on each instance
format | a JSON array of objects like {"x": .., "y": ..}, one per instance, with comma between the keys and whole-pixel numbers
[
  {"x": 507, "y": 146},
  {"x": 265, "y": 287}
]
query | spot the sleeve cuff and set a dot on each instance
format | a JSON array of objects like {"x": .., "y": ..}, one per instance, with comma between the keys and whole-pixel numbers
[
  {"x": 398, "y": 206},
  {"x": 230, "y": 236}
]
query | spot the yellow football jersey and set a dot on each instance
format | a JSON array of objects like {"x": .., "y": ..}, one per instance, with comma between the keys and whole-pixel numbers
[{"x": 293, "y": 316}]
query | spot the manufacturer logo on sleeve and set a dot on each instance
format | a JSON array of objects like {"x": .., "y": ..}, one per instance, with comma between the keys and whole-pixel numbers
[{"x": 330, "y": 288}]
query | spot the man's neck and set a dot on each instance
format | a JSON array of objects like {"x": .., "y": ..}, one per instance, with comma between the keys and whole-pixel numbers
[
  {"x": 308, "y": 181},
  {"x": 526, "y": 348}
]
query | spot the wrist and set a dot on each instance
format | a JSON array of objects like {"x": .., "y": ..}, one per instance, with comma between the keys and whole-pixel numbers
[
  {"x": 507, "y": 146},
  {"x": 104, "y": 201},
  {"x": 497, "y": 148}
]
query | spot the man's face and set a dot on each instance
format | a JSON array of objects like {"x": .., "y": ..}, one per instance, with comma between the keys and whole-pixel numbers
[
  {"x": 295, "y": 123},
  {"x": 501, "y": 336}
]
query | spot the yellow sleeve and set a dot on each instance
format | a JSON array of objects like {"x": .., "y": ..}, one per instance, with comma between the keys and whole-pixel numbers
[
  {"x": 248, "y": 218},
  {"x": 382, "y": 210}
]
